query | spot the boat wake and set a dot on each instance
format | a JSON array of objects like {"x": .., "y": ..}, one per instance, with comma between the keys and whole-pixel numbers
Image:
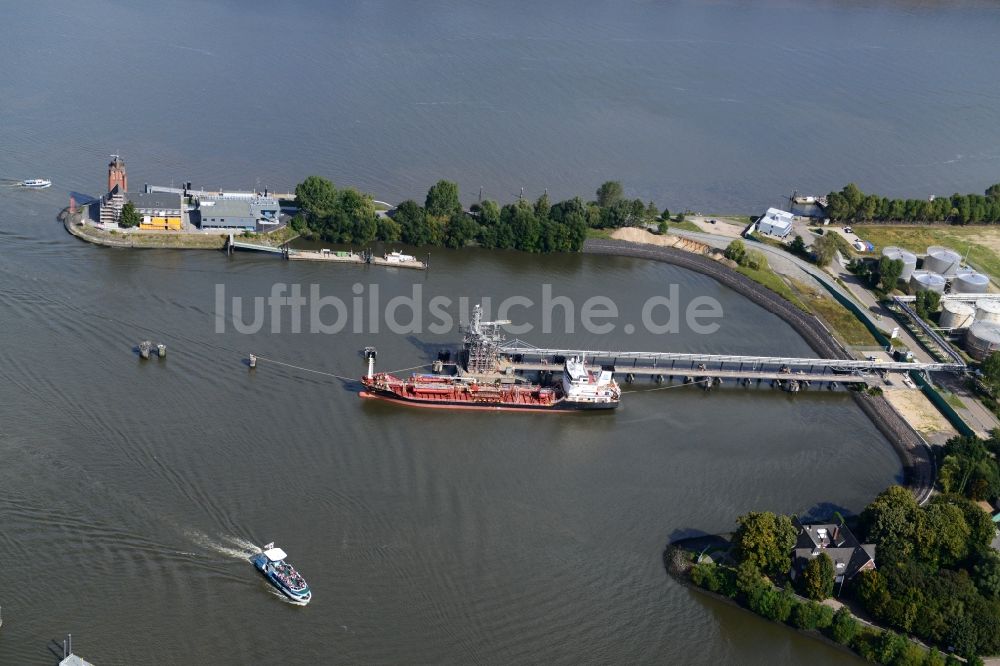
[{"x": 230, "y": 546}]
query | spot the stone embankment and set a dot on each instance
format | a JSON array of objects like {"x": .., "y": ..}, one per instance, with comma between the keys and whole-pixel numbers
[{"x": 915, "y": 455}]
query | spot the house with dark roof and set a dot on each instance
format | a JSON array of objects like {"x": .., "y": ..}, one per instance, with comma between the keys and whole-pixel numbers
[{"x": 850, "y": 557}]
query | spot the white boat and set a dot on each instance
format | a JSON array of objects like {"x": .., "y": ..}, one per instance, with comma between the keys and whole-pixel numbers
[
  {"x": 36, "y": 183},
  {"x": 397, "y": 257}
]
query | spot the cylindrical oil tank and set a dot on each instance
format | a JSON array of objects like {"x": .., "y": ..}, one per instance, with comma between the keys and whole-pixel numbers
[
  {"x": 956, "y": 314},
  {"x": 969, "y": 282},
  {"x": 926, "y": 281},
  {"x": 982, "y": 339},
  {"x": 988, "y": 311},
  {"x": 908, "y": 258},
  {"x": 942, "y": 260}
]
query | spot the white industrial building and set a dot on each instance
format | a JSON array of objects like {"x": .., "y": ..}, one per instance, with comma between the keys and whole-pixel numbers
[{"x": 775, "y": 222}]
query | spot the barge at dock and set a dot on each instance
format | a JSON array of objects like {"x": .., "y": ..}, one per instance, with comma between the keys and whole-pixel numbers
[{"x": 481, "y": 388}]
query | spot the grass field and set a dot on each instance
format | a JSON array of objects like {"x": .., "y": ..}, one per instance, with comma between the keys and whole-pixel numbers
[
  {"x": 981, "y": 242},
  {"x": 841, "y": 321},
  {"x": 773, "y": 281},
  {"x": 686, "y": 225}
]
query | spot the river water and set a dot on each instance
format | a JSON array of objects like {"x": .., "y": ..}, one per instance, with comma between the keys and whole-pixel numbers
[{"x": 131, "y": 492}]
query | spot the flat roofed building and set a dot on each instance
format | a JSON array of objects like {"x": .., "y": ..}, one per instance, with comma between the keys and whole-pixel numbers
[
  {"x": 159, "y": 210},
  {"x": 775, "y": 222},
  {"x": 229, "y": 212}
]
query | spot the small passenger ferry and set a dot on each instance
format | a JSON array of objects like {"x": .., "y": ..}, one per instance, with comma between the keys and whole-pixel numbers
[
  {"x": 36, "y": 183},
  {"x": 271, "y": 562}
]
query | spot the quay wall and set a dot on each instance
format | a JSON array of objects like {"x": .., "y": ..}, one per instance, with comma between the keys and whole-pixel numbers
[
  {"x": 914, "y": 454},
  {"x": 166, "y": 239}
]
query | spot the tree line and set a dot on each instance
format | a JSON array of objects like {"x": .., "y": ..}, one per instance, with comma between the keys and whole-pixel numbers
[
  {"x": 850, "y": 204},
  {"x": 937, "y": 577},
  {"x": 348, "y": 216}
]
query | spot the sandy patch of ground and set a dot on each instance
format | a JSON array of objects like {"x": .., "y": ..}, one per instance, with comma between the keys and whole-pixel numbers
[
  {"x": 636, "y": 235},
  {"x": 989, "y": 239},
  {"x": 724, "y": 226},
  {"x": 920, "y": 413}
]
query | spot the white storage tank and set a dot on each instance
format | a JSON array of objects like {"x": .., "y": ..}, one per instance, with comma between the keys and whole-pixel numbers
[
  {"x": 982, "y": 339},
  {"x": 926, "y": 281},
  {"x": 942, "y": 260},
  {"x": 988, "y": 311},
  {"x": 956, "y": 314},
  {"x": 908, "y": 258},
  {"x": 968, "y": 281}
]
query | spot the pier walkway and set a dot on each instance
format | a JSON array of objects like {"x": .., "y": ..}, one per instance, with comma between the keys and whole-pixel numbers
[{"x": 234, "y": 244}]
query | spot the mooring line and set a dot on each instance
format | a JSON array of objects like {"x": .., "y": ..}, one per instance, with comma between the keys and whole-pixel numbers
[
  {"x": 299, "y": 367},
  {"x": 664, "y": 388}
]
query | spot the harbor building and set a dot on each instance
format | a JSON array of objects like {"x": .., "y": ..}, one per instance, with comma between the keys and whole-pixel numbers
[
  {"x": 236, "y": 211},
  {"x": 159, "y": 210},
  {"x": 775, "y": 222}
]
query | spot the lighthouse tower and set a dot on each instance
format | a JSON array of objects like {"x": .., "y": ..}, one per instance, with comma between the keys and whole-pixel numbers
[{"x": 116, "y": 174}]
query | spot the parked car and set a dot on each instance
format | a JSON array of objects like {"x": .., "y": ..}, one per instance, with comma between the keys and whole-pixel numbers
[{"x": 848, "y": 230}]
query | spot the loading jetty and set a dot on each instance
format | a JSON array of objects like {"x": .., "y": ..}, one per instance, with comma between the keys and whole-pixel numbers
[
  {"x": 712, "y": 369},
  {"x": 919, "y": 468}
]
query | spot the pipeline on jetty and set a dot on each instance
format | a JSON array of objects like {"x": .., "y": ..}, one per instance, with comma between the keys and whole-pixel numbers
[{"x": 914, "y": 453}]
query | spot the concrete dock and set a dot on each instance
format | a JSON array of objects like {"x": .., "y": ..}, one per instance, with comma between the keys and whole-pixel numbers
[{"x": 326, "y": 255}]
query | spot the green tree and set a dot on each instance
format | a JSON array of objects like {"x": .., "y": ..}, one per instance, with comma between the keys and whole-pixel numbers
[
  {"x": 412, "y": 220},
  {"x": 986, "y": 575},
  {"x": 854, "y": 197},
  {"x": 129, "y": 216},
  {"x": 890, "y": 521},
  {"x": 665, "y": 213},
  {"x": 651, "y": 213},
  {"x": 315, "y": 196},
  {"x": 933, "y": 658},
  {"x": 708, "y": 576},
  {"x": 662, "y": 226},
  {"x": 461, "y": 229},
  {"x": 797, "y": 246},
  {"x": 825, "y": 248},
  {"x": 991, "y": 369},
  {"x": 756, "y": 260},
  {"x": 818, "y": 577},
  {"x": 807, "y": 615},
  {"x": 542, "y": 207},
  {"x": 736, "y": 251},
  {"x": 943, "y": 539},
  {"x": 749, "y": 579},
  {"x": 926, "y": 302},
  {"x": 889, "y": 271},
  {"x": 442, "y": 199},
  {"x": 765, "y": 540},
  {"x": 359, "y": 210},
  {"x": 389, "y": 229},
  {"x": 609, "y": 192},
  {"x": 844, "y": 627}
]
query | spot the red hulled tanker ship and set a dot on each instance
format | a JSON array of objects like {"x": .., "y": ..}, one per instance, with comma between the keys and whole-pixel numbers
[{"x": 482, "y": 388}]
